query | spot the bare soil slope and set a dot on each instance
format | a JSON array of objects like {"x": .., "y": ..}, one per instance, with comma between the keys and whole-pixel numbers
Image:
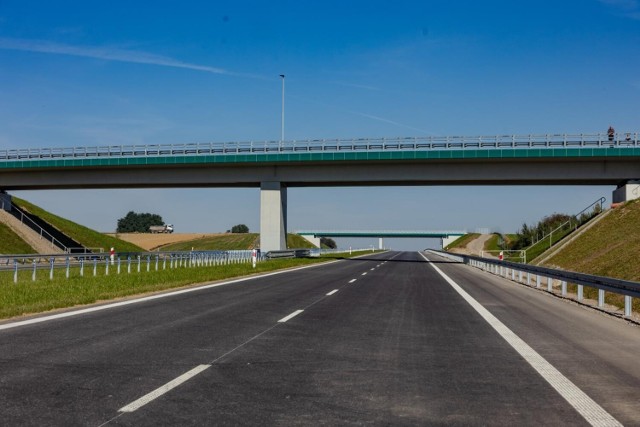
[{"x": 151, "y": 242}]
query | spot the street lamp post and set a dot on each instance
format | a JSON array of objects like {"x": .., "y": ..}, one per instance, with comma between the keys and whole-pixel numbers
[{"x": 282, "y": 126}]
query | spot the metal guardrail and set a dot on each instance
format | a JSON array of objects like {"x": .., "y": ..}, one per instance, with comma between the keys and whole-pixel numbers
[
  {"x": 621, "y": 140},
  {"x": 505, "y": 269}
]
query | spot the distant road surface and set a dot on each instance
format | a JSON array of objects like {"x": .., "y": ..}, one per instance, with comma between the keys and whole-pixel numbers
[{"x": 387, "y": 339}]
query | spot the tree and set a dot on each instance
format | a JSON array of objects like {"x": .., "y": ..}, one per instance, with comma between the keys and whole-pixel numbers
[
  {"x": 240, "y": 228},
  {"x": 327, "y": 242},
  {"x": 138, "y": 222}
]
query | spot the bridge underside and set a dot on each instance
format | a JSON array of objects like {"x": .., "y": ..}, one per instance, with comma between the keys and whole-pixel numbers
[{"x": 274, "y": 178}]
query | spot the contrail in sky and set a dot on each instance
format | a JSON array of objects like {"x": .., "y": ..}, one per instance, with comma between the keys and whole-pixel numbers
[{"x": 111, "y": 54}]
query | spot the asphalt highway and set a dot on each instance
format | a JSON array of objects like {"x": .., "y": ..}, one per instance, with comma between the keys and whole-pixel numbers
[{"x": 386, "y": 339}]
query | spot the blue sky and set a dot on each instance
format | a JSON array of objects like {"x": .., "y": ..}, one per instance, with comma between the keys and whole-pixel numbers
[{"x": 95, "y": 73}]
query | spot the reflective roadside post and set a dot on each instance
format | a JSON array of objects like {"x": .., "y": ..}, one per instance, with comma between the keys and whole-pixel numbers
[
  {"x": 254, "y": 256},
  {"x": 112, "y": 255}
]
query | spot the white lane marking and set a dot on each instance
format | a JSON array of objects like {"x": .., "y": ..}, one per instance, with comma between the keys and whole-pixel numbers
[
  {"x": 149, "y": 298},
  {"x": 364, "y": 274},
  {"x": 352, "y": 280},
  {"x": 372, "y": 269},
  {"x": 292, "y": 315},
  {"x": 332, "y": 292},
  {"x": 164, "y": 389},
  {"x": 587, "y": 407}
]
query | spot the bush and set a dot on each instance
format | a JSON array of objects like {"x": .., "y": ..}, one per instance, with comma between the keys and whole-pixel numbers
[{"x": 240, "y": 228}]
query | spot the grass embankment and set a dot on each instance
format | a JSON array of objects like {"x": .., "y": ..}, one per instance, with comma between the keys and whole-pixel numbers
[
  {"x": 34, "y": 297},
  {"x": 11, "y": 243},
  {"x": 232, "y": 241},
  {"x": 462, "y": 241},
  {"x": 609, "y": 248},
  {"x": 84, "y": 235}
]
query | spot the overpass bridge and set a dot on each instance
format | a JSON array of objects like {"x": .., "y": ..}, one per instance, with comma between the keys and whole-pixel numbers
[
  {"x": 273, "y": 166},
  {"x": 446, "y": 236}
]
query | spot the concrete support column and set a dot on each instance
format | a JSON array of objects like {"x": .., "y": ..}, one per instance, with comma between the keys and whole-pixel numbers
[
  {"x": 380, "y": 243},
  {"x": 273, "y": 216},
  {"x": 5, "y": 201},
  {"x": 446, "y": 241},
  {"x": 312, "y": 239},
  {"x": 629, "y": 191}
]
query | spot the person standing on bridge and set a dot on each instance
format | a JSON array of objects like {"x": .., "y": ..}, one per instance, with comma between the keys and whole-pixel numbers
[{"x": 611, "y": 133}]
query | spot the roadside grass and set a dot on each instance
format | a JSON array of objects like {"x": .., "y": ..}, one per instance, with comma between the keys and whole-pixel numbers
[
  {"x": 84, "y": 235},
  {"x": 232, "y": 241},
  {"x": 28, "y": 297},
  {"x": 462, "y": 241},
  {"x": 11, "y": 243},
  {"x": 225, "y": 242},
  {"x": 493, "y": 243},
  {"x": 610, "y": 248}
]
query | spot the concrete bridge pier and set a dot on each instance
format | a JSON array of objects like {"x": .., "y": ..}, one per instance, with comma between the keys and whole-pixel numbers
[
  {"x": 630, "y": 190},
  {"x": 273, "y": 216},
  {"x": 380, "y": 243},
  {"x": 5, "y": 201},
  {"x": 447, "y": 240}
]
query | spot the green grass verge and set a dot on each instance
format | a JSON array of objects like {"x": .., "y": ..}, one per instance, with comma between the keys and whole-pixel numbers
[
  {"x": 609, "y": 248},
  {"x": 493, "y": 243},
  {"x": 233, "y": 241},
  {"x": 462, "y": 241},
  {"x": 85, "y": 236},
  {"x": 27, "y": 297},
  {"x": 11, "y": 243},
  {"x": 225, "y": 242}
]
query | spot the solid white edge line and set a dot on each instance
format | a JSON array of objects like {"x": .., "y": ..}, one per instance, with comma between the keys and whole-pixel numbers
[
  {"x": 137, "y": 404},
  {"x": 292, "y": 315},
  {"x": 332, "y": 292},
  {"x": 149, "y": 298},
  {"x": 593, "y": 413},
  {"x": 352, "y": 280}
]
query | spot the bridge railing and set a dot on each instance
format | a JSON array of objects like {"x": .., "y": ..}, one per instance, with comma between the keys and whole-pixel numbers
[
  {"x": 528, "y": 274},
  {"x": 620, "y": 140}
]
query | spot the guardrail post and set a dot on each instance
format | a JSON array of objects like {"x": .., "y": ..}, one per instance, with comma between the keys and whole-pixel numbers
[
  {"x": 33, "y": 275},
  {"x": 628, "y": 301},
  {"x": 51, "y": 271},
  {"x": 106, "y": 266},
  {"x": 601, "y": 298},
  {"x": 129, "y": 264},
  {"x": 95, "y": 266},
  {"x": 549, "y": 284},
  {"x": 81, "y": 267},
  {"x": 528, "y": 279},
  {"x": 148, "y": 263},
  {"x": 520, "y": 276},
  {"x": 564, "y": 288},
  {"x": 139, "y": 262},
  {"x": 118, "y": 265},
  {"x": 15, "y": 271},
  {"x": 513, "y": 274},
  {"x": 537, "y": 280},
  {"x": 67, "y": 268},
  {"x": 164, "y": 262},
  {"x": 157, "y": 259},
  {"x": 580, "y": 292}
]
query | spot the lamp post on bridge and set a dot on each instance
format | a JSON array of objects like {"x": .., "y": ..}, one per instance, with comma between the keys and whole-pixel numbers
[{"x": 282, "y": 125}]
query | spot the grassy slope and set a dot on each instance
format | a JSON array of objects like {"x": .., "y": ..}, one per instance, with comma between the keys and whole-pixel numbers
[
  {"x": 609, "y": 248},
  {"x": 232, "y": 241},
  {"x": 84, "y": 235},
  {"x": 11, "y": 243},
  {"x": 462, "y": 241}
]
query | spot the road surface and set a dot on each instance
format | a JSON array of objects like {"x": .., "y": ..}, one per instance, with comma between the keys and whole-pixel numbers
[{"x": 387, "y": 339}]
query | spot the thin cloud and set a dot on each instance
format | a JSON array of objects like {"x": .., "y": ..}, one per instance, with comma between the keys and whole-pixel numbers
[
  {"x": 111, "y": 54},
  {"x": 382, "y": 119}
]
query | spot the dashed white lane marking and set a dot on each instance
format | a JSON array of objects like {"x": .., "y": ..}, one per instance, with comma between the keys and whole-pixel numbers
[
  {"x": 352, "y": 280},
  {"x": 364, "y": 274},
  {"x": 291, "y": 316},
  {"x": 332, "y": 292},
  {"x": 372, "y": 269},
  {"x": 587, "y": 407},
  {"x": 164, "y": 389}
]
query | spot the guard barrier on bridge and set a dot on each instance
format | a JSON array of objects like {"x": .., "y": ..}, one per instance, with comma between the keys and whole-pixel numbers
[
  {"x": 618, "y": 140},
  {"x": 524, "y": 273}
]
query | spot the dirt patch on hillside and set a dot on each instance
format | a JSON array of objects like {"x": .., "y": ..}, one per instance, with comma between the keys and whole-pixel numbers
[{"x": 151, "y": 242}]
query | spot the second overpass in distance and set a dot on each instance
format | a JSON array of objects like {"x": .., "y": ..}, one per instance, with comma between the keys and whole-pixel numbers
[{"x": 446, "y": 236}]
